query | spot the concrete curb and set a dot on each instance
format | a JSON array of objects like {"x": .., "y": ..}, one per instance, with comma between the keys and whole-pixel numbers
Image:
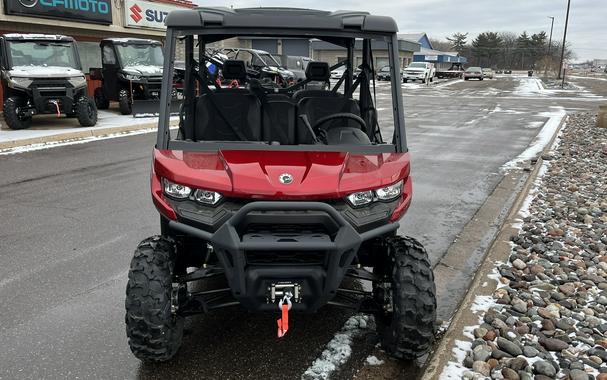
[
  {"x": 499, "y": 250},
  {"x": 78, "y": 135}
]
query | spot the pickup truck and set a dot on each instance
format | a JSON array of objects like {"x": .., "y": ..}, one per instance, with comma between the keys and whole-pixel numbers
[
  {"x": 422, "y": 71},
  {"x": 455, "y": 71}
]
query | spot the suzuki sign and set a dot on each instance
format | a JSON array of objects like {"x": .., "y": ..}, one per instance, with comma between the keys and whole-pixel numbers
[
  {"x": 145, "y": 14},
  {"x": 97, "y": 11}
]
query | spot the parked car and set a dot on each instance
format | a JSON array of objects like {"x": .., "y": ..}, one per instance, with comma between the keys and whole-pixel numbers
[
  {"x": 473, "y": 72},
  {"x": 42, "y": 74},
  {"x": 508, "y": 71},
  {"x": 422, "y": 71},
  {"x": 384, "y": 73},
  {"x": 338, "y": 72},
  {"x": 488, "y": 73}
]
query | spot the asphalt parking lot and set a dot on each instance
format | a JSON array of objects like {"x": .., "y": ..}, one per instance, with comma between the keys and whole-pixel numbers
[{"x": 72, "y": 216}]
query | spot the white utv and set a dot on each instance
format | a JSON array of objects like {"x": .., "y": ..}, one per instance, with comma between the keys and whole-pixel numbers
[{"x": 42, "y": 74}]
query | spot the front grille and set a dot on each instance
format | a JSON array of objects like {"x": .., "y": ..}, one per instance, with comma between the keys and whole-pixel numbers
[
  {"x": 286, "y": 229},
  {"x": 285, "y": 258}
]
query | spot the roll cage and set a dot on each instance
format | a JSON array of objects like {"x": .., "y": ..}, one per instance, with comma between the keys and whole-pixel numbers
[{"x": 340, "y": 28}]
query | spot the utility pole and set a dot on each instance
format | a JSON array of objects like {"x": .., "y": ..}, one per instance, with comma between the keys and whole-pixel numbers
[
  {"x": 563, "y": 47},
  {"x": 549, "y": 63}
]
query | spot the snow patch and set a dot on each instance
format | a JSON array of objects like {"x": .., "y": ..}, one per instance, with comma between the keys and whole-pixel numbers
[
  {"x": 373, "y": 360},
  {"x": 339, "y": 349},
  {"x": 541, "y": 140},
  {"x": 482, "y": 304}
]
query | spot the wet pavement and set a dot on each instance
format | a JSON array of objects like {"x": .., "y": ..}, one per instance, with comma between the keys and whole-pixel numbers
[{"x": 72, "y": 216}]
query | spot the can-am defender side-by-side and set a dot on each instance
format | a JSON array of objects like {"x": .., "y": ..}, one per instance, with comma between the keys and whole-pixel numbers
[
  {"x": 41, "y": 74},
  {"x": 131, "y": 71},
  {"x": 273, "y": 198}
]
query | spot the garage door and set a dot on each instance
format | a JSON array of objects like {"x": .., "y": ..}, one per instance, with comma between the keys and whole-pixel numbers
[
  {"x": 270, "y": 45},
  {"x": 381, "y": 62},
  {"x": 296, "y": 47}
]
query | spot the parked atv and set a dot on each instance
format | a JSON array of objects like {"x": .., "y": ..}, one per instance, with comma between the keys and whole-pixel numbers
[
  {"x": 280, "y": 192},
  {"x": 41, "y": 74},
  {"x": 261, "y": 65},
  {"x": 132, "y": 71}
]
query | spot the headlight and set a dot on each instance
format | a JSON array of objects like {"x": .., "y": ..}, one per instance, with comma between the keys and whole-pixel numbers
[
  {"x": 77, "y": 81},
  {"x": 361, "y": 198},
  {"x": 19, "y": 82},
  {"x": 176, "y": 190},
  {"x": 390, "y": 192},
  {"x": 387, "y": 193},
  {"x": 207, "y": 197}
]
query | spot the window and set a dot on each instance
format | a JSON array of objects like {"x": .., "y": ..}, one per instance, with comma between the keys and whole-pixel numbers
[
  {"x": 109, "y": 58},
  {"x": 89, "y": 55},
  {"x": 42, "y": 53}
]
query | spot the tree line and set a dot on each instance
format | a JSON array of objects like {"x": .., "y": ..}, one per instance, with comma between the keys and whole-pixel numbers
[{"x": 506, "y": 50}]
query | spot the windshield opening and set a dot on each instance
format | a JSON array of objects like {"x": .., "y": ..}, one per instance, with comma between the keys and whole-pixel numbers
[
  {"x": 42, "y": 53},
  {"x": 140, "y": 55},
  {"x": 242, "y": 97}
]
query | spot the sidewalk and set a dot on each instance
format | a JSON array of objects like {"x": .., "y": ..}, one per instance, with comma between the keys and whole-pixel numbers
[
  {"x": 49, "y": 128},
  {"x": 538, "y": 307}
]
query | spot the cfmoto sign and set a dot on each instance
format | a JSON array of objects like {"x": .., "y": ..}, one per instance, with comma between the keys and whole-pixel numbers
[
  {"x": 146, "y": 14},
  {"x": 97, "y": 11}
]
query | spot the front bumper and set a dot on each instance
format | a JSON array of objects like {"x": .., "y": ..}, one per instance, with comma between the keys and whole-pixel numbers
[
  {"x": 46, "y": 94},
  {"x": 147, "y": 88},
  {"x": 414, "y": 76},
  {"x": 256, "y": 250}
]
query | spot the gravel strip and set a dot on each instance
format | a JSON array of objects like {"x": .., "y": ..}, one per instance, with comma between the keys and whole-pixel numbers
[{"x": 548, "y": 315}]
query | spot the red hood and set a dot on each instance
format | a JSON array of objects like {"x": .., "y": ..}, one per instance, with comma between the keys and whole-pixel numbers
[{"x": 255, "y": 174}]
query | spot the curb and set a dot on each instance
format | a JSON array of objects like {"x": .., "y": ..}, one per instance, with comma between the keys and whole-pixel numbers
[
  {"x": 78, "y": 135},
  {"x": 499, "y": 250}
]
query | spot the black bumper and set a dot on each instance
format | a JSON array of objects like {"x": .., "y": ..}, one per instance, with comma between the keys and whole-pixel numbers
[
  {"x": 47, "y": 94},
  {"x": 256, "y": 252}
]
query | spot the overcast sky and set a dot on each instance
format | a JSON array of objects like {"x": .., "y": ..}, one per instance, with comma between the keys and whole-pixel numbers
[{"x": 439, "y": 18}]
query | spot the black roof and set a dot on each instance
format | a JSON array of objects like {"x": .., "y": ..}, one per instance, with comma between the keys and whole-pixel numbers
[
  {"x": 280, "y": 18},
  {"x": 36, "y": 37},
  {"x": 128, "y": 40}
]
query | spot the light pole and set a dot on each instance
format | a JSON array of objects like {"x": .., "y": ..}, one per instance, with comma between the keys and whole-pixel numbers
[
  {"x": 549, "y": 63},
  {"x": 564, "y": 42}
]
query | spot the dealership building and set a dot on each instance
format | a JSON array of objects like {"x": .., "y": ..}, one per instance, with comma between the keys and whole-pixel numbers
[{"x": 88, "y": 21}]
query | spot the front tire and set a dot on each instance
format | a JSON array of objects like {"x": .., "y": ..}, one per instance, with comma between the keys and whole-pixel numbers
[
  {"x": 12, "y": 107},
  {"x": 154, "y": 332},
  {"x": 124, "y": 102},
  {"x": 407, "y": 319},
  {"x": 86, "y": 110},
  {"x": 405, "y": 80}
]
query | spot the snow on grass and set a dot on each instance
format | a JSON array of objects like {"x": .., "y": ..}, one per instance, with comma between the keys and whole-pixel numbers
[
  {"x": 541, "y": 140},
  {"x": 339, "y": 349},
  {"x": 373, "y": 360}
]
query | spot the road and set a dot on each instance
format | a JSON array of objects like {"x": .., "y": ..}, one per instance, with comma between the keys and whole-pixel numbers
[{"x": 72, "y": 216}]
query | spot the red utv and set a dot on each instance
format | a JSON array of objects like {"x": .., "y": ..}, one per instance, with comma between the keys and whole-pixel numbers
[{"x": 281, "y": 191}]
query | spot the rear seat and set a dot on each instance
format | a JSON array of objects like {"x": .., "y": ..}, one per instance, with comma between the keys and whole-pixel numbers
[{"x": 218, "y": 115}]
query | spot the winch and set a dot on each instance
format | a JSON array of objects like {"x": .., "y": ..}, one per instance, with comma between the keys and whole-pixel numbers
[{"x": 280, "y": 289}]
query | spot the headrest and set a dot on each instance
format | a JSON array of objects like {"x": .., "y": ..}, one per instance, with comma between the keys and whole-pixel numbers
[
  {"x": 318, "y": 71},
  {"x": 234, "y": 69}
]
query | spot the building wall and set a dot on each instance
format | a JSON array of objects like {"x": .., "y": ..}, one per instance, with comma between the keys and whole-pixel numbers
[
  {"x": 381, "y": 57},
  {"x": 87, "y": 34}
]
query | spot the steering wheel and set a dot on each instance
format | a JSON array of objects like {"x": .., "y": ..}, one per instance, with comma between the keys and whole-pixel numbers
[{"x": 341, "y": 115}]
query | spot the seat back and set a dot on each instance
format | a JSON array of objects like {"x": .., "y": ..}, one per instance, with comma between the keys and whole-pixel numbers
[
  {"x": 279, "y": 119},
  {"x": 316, "y": 108},
  {"x": 217, "y": 119}
]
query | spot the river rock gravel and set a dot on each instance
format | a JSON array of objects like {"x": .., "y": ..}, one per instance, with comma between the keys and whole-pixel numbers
[{"x": 549, "y": 317}]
